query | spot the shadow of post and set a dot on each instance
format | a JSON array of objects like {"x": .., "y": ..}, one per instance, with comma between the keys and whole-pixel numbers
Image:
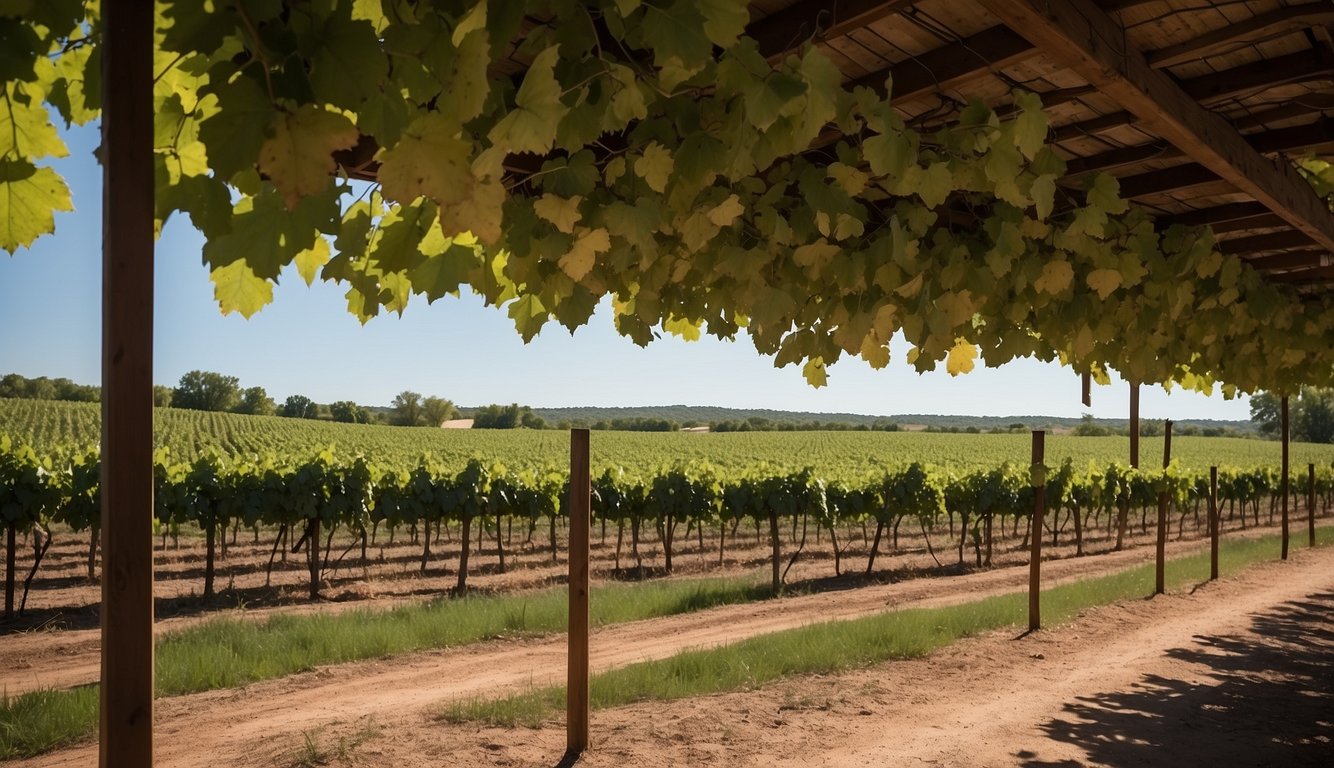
[{"x": 1263, "y": 699}]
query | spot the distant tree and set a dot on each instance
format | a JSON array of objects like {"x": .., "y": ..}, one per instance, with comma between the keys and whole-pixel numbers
[
  {"x": 349, "y": 412},
  {"x": 161, "y": 396},
  {"x": 206, "y": 391},
  {"x": 507, "y": 417},
  {"x": 300, "y": 407},
  {"x": 1089, "y": 428},
  {"x": 14, "y": 386},
  {"x": 256, "y": 402},
  {"x": 437, "y": 410},
  {"x": 407, "y": 409},
  {"x": 1314, "y": 420},
  {"x": 1265, "y": 412}
]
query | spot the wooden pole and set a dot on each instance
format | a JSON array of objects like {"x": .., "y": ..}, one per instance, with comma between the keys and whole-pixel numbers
[
  {"x": 1213, "y": 523},
  {"x": 1160, "y": 569},
  {"x": 1035, "y": 554},
  {"x": 1134, "y": 426},
  {"x": 1283, "y": 482},
  {"x": 126, "y": 735},
  {"x": 576, "y": 715},
  {"x": 1310, "y": 504},
  {"x": 1086, "y": 389},
  {"x": 9, "y": 570}
]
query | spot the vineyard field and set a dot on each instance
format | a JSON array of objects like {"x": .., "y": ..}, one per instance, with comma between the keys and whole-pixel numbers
[{"x": 50, "y": 425}]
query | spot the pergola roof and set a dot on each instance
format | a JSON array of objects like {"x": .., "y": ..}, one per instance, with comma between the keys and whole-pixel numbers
[{"x": 1192, "y": 106}]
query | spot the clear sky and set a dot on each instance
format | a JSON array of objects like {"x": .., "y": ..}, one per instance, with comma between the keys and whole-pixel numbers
[{"x": 307, "y": 343}]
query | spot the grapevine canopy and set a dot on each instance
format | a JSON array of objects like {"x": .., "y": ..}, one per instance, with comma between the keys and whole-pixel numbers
[{"x": 1088, "y": 184}]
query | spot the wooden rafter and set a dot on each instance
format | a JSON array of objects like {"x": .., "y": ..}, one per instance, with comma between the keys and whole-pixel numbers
[
  {"x": 1086, "y": 39},
  {"x": 1263, "y": 26},
  {"x": 1306, "y": 259},
  {"x": 786, "y": 30},
  {"x": 1270, "y": 241},
  {"x": 950, "y": 66}
]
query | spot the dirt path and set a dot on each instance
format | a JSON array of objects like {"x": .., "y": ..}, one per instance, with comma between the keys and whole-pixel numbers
[
  {"x": 71, "y": 657},
  {"x": 235, "y": 726}
]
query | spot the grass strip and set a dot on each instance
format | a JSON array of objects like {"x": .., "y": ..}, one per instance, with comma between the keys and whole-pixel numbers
[
  {"x": 841, "y": 645},
  {"x": 226, "y": 653}
]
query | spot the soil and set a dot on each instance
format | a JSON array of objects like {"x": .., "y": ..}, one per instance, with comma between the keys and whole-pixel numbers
[{"x": 1237, "y": 672}]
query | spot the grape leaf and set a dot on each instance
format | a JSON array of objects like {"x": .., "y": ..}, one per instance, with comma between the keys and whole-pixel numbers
[
  {"x": 429, "y": 160},
  {"x": 531, "y": 125},
  {"x": 1104, "y": 281},
  {"x": 655, "y": 166},
  {"x": 583, "y": 253},
  {"x": 560, "y": 211},
  {"x": 29, "y": 197},
  {"x": 238, "y": 289},
  {"x": 298, "y": 155}
]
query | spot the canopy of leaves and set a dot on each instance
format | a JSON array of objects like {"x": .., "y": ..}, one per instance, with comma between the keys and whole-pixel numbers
[{"x": 648, "y": 154}]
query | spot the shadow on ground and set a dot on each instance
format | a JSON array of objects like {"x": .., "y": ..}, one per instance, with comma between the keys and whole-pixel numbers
[{"x": 1263, "y": 699}]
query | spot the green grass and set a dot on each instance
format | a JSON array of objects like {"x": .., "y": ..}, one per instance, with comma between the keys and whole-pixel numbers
[
  {"x": 841, "y": 645},
  {"x": 226, "y": 653},
  {"x": 44, "y": 720}
]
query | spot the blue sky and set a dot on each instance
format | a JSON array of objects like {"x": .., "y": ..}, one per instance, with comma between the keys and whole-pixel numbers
[{"x": 307, "y": 343}]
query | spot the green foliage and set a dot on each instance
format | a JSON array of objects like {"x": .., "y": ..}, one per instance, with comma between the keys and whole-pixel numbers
[
  {"x": 1310, "y": 414},
  {"x": 206, "y": 391},
  {"x": 683, "y": 187}
]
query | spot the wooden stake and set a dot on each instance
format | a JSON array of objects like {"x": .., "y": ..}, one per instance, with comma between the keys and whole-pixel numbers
[
  {"x": 1283, "y": 482},
  {"x": 1310, "y": 504},
  {"x": 1160, "y": 575},
  {"x": 1086, "y": 389},
  {"x": 127, "y": 386},
  {"x": 1134, "y": 426},
  {"x": 1035, "y": 554},
  {"x": 1213, "y": 523},
  {"x": 576, "y": 714}
]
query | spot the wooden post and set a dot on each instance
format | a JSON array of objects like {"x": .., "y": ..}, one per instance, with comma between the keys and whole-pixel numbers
[
  {"x": 1214, "y": 524},
  {"x": 576, "y": 690},
  {"x": 1283, "y": 482},
  {"x": 127, "y": 386},
  {"x": 1134, "y": 426},
  {"x": 1035, "y": 554},
  {"x": 1310, "y": 504},
  {"x": 1160, "y": 569},
  {"x": 1086, "y": 389},
  {"x": 9, "y": 570}
]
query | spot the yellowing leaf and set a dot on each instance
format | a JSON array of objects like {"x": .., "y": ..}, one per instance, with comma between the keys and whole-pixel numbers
[
  {"x": 298, "y": 154},
  {"x": 875, "y": 353},
  {"x": 815, "y": 372},
  {"x": 238, "y": 289},
  {"x": 429, "y": 160},
  {"x": 29, "y": 198},
  {"x": 960, "y": 358},
  {"x": 560, "y": 211},
  {"x": 727, "y": 211},
  {"x": 1030, "y": 133},
  {"x": 1056, "y": 277},
  {"x": 583, "y": 254},
  {"x": 655, "y": 166},
  {"x": 679, "y": 326},
  {"x": 479, "y": 214},
  {"x": 1043, "y": 193},
  {"x": 474, "y": 19},
  {"x": 26, "y": 131},
  {"x": 816, "y": 255},
  {"x": 309, "y": 261},
  {"x": 1104, "y": 281}
]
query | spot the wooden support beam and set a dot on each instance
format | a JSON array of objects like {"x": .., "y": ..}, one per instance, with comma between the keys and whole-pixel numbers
[
  {"x": 790, "y": 28},
  {"x": 1259, "y": 27},
  {"x": 1134, "y": 425},
  {"x": 951, "y": 65},
  {"x": 576, "y": 690},
  {"x": 1310, "y": 505},
  {"x": 1219, "y": 214},
  {"x": 1086, "y": 389},
  {"x": 1300, "y": 260},
  {"x": 1283, "y": 481},
  {"x": 1314, "y": 276},
  {"x": 1269, "y": 241},
  {"x": 1167, "y": 180},
  {"x": 1081, "y": 35},
  {"x": 1035, "y": 538},
  {"x": 1160, "y": 549},
  {"x": 1262, "y": 221},
  {"x": 126, "y": 726},
  {"x": 1214, "y": 524}
]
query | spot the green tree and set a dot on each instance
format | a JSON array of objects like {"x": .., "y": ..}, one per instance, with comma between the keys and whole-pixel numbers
[
  {"x": 256, "y": 402},
  {"x": 161, "y": 396},
  {"x": 300, "y": 407},
  {"x": 348, "y": 412},
  {"x": 407, "y": 409},
  {"x": 206, "y": 391},
  {"x": 1314, "y": 420},
  {"x": 1265, "y": 412},
  {"x": 437, "y": 410}
]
